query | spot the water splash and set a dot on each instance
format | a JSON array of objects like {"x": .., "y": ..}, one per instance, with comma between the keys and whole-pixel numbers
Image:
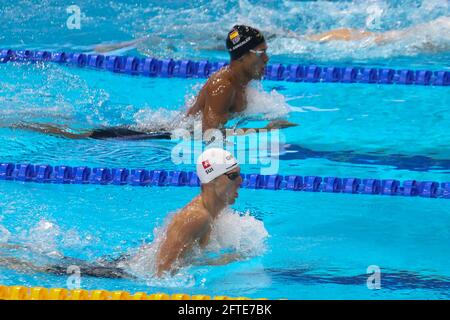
[
  {"x": 286, "y": 25},
  {"x": 242, "y": 233},
  {"x": 260, "y": 104},
  {"x": 72, "y": 103},
  {"x": 178, "y": 30},
  {"x": 270, "y": 105},
  {"x": 43, "y": 239},
  {"x": 47, "y": 239},
  {"x": 231, "y": 231},
  {"x": 162, "y": 119}
]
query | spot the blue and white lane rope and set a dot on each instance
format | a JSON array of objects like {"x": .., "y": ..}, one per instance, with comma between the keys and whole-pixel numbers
[
  {"x": 142, "y": 177},
  {"x": 168, "y": 68}
]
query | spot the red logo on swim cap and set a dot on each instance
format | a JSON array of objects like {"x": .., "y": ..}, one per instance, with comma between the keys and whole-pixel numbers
[{"x": 206, "y": 164}]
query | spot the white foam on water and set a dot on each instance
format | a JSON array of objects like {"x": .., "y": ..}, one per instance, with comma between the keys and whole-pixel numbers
[
  {"x": 270, "y": 105},
  {"x": 178, "y": 29},
  {"x": 231, "y": 231},
  {"x": 241, "y": 233},
  {"x": 63, "y": 98},
  {"x": 47, "y": 239},
  {"x": 148, "y": 119},
  {"x": 164, "y": 119},
  {"x": 286, "y": 25},
  {"x": 260, "y": 105},
  {"x": 43, "y": 238}
]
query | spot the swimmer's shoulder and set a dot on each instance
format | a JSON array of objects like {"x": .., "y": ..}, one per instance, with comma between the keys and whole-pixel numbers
[
  {"x": 190, "y": 221},
  {"x": 221, "y": 80},
  {"x": 222, "y": 76},
  {"x": 194, "y": 210}
]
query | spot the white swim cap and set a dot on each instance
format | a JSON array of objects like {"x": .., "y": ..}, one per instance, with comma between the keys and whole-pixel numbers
[{"x": 214, "y": 162}]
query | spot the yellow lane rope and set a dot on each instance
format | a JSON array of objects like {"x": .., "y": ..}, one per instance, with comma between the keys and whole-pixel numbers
[{"x": 39, "y": 293}]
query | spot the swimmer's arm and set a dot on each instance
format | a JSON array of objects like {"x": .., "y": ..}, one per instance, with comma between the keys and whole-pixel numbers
[
  {"x": 275, "y": 124},
  {"x": 171, "y": 250},
  {"x": 222, "y": 260},
  {"x": 105, "y": 48},
  {"x": 176, "y": 243},
  {"x": 217, "y": 111},
  {"x": 219, "y": 99}
]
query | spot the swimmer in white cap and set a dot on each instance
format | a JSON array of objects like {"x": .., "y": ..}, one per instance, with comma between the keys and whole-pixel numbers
[{"x": 220, "y": 178}]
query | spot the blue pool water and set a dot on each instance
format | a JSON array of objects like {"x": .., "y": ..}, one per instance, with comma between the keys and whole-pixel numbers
[{"x": 299, "y": 245}]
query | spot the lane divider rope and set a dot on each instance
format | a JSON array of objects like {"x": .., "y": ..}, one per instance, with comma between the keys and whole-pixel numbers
[
  {"x": 167, "y": 68},
  {"x": 40, "y": 293},
  {"x": 62, "y": 174}
]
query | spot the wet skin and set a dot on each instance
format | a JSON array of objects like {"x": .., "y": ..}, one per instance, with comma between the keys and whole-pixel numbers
[
  {"x": 192, "y": 225},
  {"x": 223, "y": 95}
]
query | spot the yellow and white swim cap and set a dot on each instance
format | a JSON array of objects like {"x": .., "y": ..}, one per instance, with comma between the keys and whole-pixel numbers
[{"x": 214, "y": 162}]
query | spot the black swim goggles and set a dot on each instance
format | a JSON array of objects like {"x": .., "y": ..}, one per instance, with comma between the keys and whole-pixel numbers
[{"x": 232, "y": 176}]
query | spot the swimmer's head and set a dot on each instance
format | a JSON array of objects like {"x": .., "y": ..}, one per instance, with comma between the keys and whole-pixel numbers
[
  {"x": 247, "y": 45},
  {"x": 219, "y": 172}
]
